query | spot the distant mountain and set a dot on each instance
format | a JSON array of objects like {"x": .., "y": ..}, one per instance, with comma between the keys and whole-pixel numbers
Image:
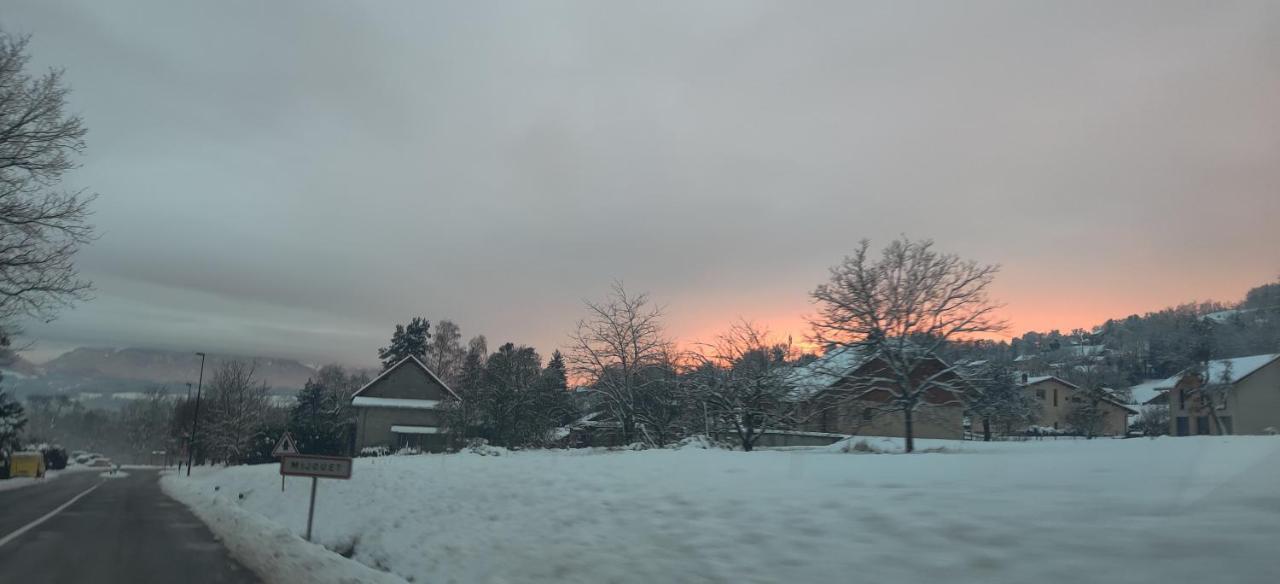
[
  {"x": 14, "y": 365},
  {"x": 172, "y": 367},
  {"x": 109, "y": 371}
]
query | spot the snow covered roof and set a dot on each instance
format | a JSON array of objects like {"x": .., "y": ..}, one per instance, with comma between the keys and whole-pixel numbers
[
  {"x": 415, "y": 430},
  {"x": 1149, "y": 390},
  {"x": 1021, "y": 358},
  {"x": 825, "y": 371},
  {"x": 1222, "y": 316},
  {"x": 361, "y": 401},
  {"x": 1032, "y": 380},
  {"x": 1241, "y": 367}
]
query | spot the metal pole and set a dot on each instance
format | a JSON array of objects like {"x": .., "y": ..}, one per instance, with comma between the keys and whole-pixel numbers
[
  {"x": 311, "y": 510},
  {"x": 195, "y": 422}
]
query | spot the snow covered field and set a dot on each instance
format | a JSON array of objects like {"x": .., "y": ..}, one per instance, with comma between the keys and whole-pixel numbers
[{"x": 1203, "y": 509}]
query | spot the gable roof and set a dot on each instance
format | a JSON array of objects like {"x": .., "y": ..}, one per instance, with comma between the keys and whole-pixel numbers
[
  {"x": 402, "y": 363},
  {"x": 1241, "y": 367},
  {"x": 833, "y": 367},
  {"x": 1043, "y": 378}
]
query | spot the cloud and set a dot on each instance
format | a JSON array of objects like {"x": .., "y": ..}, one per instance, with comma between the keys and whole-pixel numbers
[{"x": 297, "y": 178}]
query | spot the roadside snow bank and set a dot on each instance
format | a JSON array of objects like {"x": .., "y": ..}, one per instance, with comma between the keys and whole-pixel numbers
[
  {"x": 1120, "y": 511},
  {"x": 274, "y": 553}
]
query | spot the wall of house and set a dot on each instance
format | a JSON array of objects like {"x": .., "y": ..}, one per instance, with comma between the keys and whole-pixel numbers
[
  {"x": 373, "y": 425},
  {"x": 1185, "y": 407},
  {"x": 853, "y": 417},
  {"x": 1052, "y": 395},
  {"x": 1257, "y": 402}
]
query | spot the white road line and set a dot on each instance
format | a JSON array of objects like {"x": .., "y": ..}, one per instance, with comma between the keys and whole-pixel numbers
[{"x": 46, "y": 517}]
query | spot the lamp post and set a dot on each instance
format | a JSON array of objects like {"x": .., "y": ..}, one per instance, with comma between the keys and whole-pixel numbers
[{"x": 195, "y": 421}]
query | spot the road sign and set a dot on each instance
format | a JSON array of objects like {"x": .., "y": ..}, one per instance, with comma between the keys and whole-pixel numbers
[
  {"x": 284, "y": 446},
  {"x": 325, "y": 467},
  {"x": 316, "y": 467}
]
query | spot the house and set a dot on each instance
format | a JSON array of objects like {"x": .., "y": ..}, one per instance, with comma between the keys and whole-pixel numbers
[
  {"x": 1058, "y": 396},
  {"x": 838, "y": 394},
  {"x": 402, "y": 408},
  {"x": 1244, "y": 393}
]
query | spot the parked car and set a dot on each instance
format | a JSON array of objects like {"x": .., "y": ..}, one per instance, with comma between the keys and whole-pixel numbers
[
  {"x": 26, "y": 464},
  {"x": 100, "y": 462}
]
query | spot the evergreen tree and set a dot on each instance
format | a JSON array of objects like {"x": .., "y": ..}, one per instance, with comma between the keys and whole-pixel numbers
[
  {"x": 552, "y": 406},
  {"x": 317, "y": 422},
  {"x": 407, "y": 340},
  {"x": 510, "y": 381},
  {"x": 462, "y": 416}
]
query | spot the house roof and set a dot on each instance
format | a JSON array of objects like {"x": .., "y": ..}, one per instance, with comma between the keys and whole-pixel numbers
[
  {"x": 1148, "y": 390},
  {"x": 1241, "y": 367},
  {"x": 826, "y": 370},
  {"x": 404, "y": 362},
  {"x": 1041, "y": 379}
]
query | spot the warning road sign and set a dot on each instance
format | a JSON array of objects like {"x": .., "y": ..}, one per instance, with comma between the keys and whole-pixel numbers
[{"x": 284, "y": 446}]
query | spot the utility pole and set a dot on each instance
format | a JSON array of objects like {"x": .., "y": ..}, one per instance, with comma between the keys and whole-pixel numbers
[{"x": 195, "y": 421}]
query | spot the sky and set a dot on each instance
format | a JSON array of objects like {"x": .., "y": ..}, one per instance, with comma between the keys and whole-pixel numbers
[{"x": 293, "y": 178}]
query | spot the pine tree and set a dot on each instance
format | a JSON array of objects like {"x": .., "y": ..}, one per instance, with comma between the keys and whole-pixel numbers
[
  {"x": 316, "y": 421},
  {"x": 552, "y": 406},
  {"x": 407, "y": 340}
]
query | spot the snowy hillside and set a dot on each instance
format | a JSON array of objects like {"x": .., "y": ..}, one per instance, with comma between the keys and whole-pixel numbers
[{"x": 1165, "y": 510}]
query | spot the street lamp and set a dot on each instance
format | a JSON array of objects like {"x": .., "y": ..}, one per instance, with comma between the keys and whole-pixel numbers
[{"x": 195, "y": 421}]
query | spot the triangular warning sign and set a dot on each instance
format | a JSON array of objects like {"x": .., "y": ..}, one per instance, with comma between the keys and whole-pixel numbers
[{"x": 285, "y": 446}]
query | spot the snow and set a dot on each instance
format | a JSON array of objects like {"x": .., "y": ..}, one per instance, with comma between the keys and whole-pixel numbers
[
  {"x": 113, "y": 475},
  {"x": 361, "y": 401},
  {"x": 415, "y": 430},
  {"x": 1148, "y": 390},
  {"x": 275, "y": 554},
  {"x": 826, "y": 370},
  {"x": 1164, "y": 510}
]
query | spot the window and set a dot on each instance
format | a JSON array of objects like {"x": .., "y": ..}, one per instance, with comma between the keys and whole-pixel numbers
[
  {"x": 1055, "y": 397},
  {"x": 1182, "y": 398},
  {"x": 1202, "y": 425},
  {"x": 867, "y": 414},
  {"x": 1183, "y": 428},
  {"x": 1040, "y": 393}
]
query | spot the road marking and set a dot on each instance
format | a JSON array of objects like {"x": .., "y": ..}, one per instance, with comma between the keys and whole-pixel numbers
[{"x": 46, "y": 517}]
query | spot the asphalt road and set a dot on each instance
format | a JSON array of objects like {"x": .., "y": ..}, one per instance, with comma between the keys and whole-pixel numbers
[{"x": 124, "y": 531}]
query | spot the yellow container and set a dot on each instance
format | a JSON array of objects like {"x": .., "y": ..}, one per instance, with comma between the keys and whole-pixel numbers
[{"x": 26, "y": 464}]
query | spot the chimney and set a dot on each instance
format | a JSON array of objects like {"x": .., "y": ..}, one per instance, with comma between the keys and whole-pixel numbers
[{"x": 1024, "y": 378}]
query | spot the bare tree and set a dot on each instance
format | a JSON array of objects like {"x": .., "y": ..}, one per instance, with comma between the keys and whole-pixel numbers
[
  {"x": 237, "y": 407},
  {"x": 146, "y": 421},
  {"x": 613, "y": 347},
  {"x": 904, "y": 308},
  {"x": 742, "y": 380},
  {"x": 41, "y": 226},
  {"x": 445, "y": 352}
]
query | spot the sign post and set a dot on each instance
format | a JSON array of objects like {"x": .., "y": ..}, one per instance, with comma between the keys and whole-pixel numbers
[
  {"x": 283, "y": 447},
  {"x": 316, "y": 467}
]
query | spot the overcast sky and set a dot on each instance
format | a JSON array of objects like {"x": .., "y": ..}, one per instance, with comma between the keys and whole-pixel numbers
[{"x": 293, "y": 178}]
